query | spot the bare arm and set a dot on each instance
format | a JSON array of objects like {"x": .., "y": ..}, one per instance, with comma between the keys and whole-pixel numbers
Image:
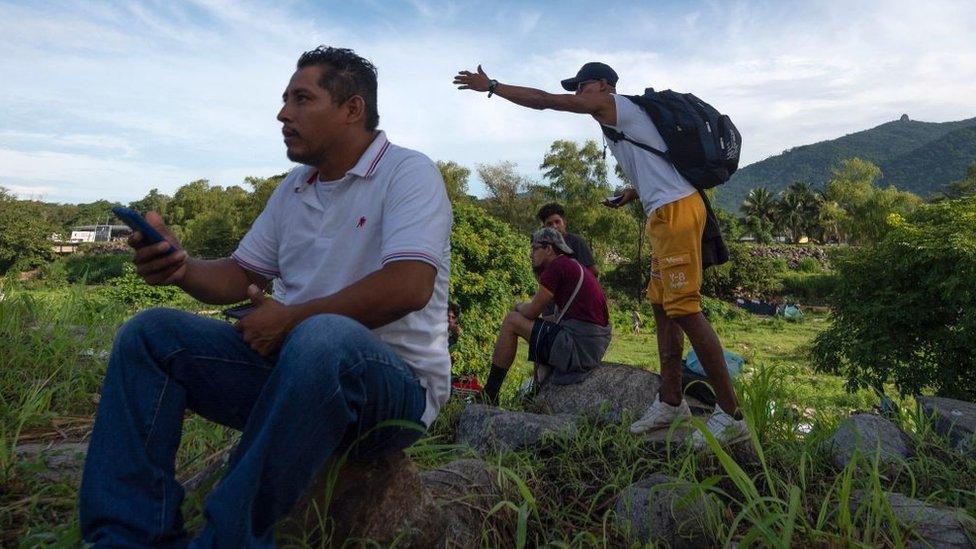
[
  {"x": 219, "y": 281},
  {"x": 600, "y": 105},
  {"x": 379, "y": 298},
  {"x": 537, "y": 305}
]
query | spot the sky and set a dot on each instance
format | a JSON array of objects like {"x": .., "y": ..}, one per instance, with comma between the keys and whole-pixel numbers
[{"x": 111, "y": 99}]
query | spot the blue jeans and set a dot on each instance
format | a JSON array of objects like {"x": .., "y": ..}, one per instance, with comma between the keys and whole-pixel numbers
[{"x": 332, "y": 382}]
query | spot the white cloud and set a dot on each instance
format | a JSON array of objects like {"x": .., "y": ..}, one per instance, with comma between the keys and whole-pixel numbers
[{"x": 105, "y": 94}]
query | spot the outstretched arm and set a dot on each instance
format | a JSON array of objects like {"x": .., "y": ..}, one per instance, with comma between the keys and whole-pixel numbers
[{"x": 600, "y": 105}]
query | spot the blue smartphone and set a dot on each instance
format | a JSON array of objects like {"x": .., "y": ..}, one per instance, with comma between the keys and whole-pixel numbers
[{"x": 136, "y": 222}]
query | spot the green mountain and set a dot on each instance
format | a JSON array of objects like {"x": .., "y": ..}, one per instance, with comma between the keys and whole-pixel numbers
[{"x": 914, "y": 156}]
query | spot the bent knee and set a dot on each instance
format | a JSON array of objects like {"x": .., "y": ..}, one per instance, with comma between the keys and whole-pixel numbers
[
  {"x": 155, "y": 320},
  {"x": 325, "y": 326}
]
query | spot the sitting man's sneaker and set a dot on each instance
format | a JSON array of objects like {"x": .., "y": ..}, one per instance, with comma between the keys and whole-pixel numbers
[
  {"x": 725, "y": 428},
  {"x": 660, "y": 415}
]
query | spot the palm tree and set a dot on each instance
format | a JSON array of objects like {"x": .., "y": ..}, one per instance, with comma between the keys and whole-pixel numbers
[
  {"x": 799, "y": 211},
  {"x": 759, "y": 203}
]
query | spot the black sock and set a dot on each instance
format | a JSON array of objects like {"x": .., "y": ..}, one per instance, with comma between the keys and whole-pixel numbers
[{"x": 494, "y": 383}]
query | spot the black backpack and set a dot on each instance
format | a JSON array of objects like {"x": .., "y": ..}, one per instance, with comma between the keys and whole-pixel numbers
[{"x": 703, "y": 144}]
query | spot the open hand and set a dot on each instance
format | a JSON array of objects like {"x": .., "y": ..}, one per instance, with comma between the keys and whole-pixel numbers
[
  {"x": 153, "y": 263},
  {"x": 477, "y": 81},
  {"x": 265, "y": 328}
]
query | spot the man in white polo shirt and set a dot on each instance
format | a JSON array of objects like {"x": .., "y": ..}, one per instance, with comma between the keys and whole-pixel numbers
[
  {"x": 359, "y": 238},
  {"x": 676, "y": 215}
]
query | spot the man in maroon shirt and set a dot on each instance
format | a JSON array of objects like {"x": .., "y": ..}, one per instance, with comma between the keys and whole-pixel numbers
[{"x": 571, "y": 344}]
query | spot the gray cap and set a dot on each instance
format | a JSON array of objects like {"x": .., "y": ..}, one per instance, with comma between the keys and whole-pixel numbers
[{"x": 548, "y": 235}]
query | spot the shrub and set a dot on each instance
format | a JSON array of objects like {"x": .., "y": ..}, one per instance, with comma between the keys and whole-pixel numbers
[
  {"x": 94, "y": 269},
  {"x": 811, "y": 288},
  {"x": 744, "y": 275},
  {"x": 809, "y": 265},
  {"x": 906, "y": 312},
  {"x": 132, "y": 291},
  {"x": 490, "y": 272}
]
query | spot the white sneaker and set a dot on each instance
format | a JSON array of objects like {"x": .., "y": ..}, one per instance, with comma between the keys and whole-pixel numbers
[
  {"x": 660, "y": 415},
  {"x": 725, "y": 428}
]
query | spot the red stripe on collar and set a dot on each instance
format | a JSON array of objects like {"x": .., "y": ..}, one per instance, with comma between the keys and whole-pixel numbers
[
  {"x": 376, "y": 160},
  {"x": 313, "y": 177}
]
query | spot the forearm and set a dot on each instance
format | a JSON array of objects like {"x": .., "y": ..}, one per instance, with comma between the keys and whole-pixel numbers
[
  {"x": 217, "y": 281},
  {"x": 526, "y": 97},
  {"x": 377, "y": 299}
]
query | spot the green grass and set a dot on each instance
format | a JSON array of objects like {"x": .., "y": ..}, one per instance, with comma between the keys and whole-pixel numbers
[{"x": 52, "y": 345}]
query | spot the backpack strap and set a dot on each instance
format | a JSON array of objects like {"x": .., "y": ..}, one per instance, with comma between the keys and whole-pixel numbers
[
  {"x": 614, "y": 135},
  {"x": 575, "y": 291}
]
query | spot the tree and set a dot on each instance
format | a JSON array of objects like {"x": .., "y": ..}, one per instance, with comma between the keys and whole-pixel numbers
[
  {"x": 513, "y": 198},
  {"x": 906, "y": 310},
  {"x": 455, "y": 179},
  {"x": 490, "y": 271},
  {"x": 865, "y": 207},
  {"x": 963, "y": 187},
  {"x": 24, "y": 234},
  {"x": 152, "y": 202},
  {"x": 759, "y": 209},
  {"x": 798, "y": 211},
  {"x": 577, "y": 178}
]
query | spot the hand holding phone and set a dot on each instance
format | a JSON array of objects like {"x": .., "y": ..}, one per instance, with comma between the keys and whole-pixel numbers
[
  {"x": 158, "y": 259},
  {"x": 240, "y": 311},
  {"x": 136, "y": 222}
]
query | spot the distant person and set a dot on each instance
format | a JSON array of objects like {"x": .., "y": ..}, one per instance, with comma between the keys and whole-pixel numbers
[
  {"x": 677, "y": 215},
  {"x": 359, "y": 236},
  {"x": 571, "y": 344},
  {"x": 554, "y": 216}
]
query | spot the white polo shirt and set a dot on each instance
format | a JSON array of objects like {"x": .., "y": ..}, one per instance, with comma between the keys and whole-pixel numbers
[
  {"x": 319, "y": 237},
  {"x": 658, "y": 181}
]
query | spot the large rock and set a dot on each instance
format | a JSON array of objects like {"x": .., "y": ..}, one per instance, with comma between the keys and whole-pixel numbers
[
  {"x": 866, "y": 434},
  {"x": 382, "y": 500},
  {"x": 487, "y": 428},
  {"x": 933, "y": 526},
  {"x": 63, "y": 460},
  {"x": 465, "y": 491},
  {"x": 606, "y": 394},
  {"x": 667, "y": 512},
  {"x": 953, "y": 419}
]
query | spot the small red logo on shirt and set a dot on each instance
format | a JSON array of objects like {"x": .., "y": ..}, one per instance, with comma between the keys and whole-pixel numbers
[{"x": 362, "y": 222}]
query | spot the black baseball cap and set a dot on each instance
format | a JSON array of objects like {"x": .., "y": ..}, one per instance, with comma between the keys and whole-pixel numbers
[{"x": 591, "y": 71}]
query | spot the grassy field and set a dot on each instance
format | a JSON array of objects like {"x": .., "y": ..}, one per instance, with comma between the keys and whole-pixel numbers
[{"x": 53, "y": 349}]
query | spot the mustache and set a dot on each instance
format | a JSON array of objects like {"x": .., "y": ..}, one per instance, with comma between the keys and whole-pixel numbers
[{"x": 289, "y": 132}]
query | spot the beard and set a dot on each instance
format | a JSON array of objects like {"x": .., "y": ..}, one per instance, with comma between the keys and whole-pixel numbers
[
  {"x": 309, "y": 158},
  {"x": 537, "y": 269}
]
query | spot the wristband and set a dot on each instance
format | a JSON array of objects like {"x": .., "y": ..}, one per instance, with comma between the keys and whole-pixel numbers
[{"x": 492, "y": 84}]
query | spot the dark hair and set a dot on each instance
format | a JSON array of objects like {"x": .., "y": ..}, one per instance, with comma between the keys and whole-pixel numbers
[
  {"x": 550, "y": 209},
  {"x": 345, "y": 74},
  {"x": 453, "y": 307}
]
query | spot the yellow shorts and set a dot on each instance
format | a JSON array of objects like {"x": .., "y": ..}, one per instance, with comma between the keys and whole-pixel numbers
[{"x": 675, "y": 232}]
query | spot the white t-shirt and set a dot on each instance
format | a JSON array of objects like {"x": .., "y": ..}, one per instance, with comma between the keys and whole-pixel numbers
[
  {"x": 657, "y": 180},
  {"x": 320, "y": 237}
]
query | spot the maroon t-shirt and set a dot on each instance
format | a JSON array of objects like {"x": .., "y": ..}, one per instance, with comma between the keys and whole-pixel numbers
[{"x": 590, "y": 305}]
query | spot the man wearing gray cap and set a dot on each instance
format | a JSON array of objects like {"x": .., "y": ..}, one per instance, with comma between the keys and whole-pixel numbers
[
  {"x": 576, "y": 340},
  {"x": 679, "y": 220}
]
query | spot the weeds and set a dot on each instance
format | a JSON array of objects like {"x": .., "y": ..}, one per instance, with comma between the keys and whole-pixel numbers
[{"x": 53, "y": 345}]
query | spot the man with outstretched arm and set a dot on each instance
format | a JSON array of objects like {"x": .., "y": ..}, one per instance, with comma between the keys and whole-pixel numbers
[
  {"x": 575, "y": 340},
  {"x": 359, "y": 237},
  {"x": 676, "y": 221}
]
